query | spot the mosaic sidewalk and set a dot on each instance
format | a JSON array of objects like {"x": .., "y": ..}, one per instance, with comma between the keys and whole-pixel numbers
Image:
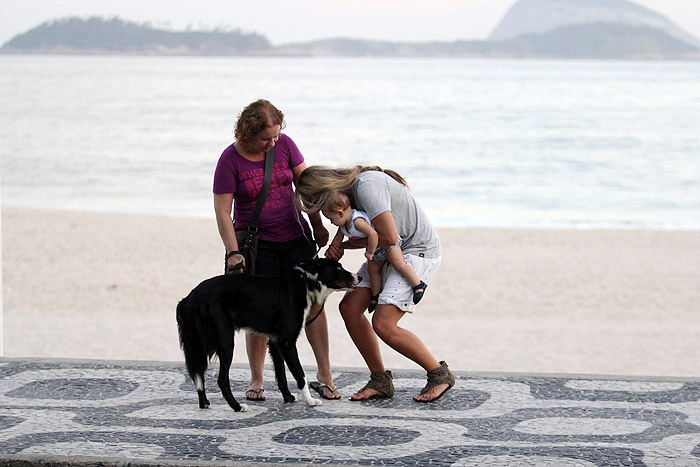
[{"x": 101, "y": 413}]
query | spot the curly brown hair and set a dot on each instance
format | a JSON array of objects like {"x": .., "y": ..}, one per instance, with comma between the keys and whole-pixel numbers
[{"x": 256, "y": 117}]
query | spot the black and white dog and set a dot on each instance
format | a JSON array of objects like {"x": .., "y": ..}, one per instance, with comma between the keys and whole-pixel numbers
[{"x": 276, "y": 307}]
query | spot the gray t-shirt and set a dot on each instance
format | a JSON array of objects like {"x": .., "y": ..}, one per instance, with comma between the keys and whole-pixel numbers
[{"x": 376, "y": 193}]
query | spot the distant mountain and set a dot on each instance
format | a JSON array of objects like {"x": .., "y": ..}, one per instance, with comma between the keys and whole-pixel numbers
[
  {"x": 600, "y": 40},
  {"x": 96, "y": 35},
  {"x": 567, "y": 40},
  {"x": 542, "y": 16}
]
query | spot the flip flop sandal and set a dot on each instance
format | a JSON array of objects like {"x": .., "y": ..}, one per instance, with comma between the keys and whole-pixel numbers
[
  {"x": 418, "y": 291},
  {"x": 255, "y": 394},
  {"x": 379, "y": 381},
  {"x": 321, "y": 387},
  {"x": 438, "y": 376},
  {"x": 373, "y": 302}
]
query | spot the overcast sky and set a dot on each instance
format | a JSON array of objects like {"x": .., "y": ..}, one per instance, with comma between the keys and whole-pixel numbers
[{"x": 284, "y": 21}]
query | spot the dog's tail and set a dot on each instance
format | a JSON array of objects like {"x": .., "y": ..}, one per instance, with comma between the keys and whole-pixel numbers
[{"x": 197, "y": 340}]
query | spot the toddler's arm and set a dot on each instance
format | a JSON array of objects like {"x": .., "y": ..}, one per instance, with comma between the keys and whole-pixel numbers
[
  {"x": 372, "y": 237},
  {"x": 335, "y": 249},
  {"x": 338, "y": 238}
]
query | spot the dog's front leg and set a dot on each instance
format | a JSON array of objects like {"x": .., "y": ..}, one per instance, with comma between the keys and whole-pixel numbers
[
  {"x": 289, "y": 352},
  {"x": 280, "y": 374}
]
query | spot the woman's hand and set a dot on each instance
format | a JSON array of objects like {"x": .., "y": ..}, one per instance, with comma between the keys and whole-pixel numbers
[
  {"x": 335, "y": 251},
  {"x": 320, "y": 235},
  {"x": 235, "y": 264}
]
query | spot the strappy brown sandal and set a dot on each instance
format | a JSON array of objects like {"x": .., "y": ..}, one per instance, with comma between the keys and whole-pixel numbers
[
  {"x": 380, "y": 381},
  {"x": 438, "y": 376}
]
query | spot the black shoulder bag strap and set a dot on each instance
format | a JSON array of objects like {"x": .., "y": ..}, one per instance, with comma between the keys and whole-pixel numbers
[
  {"x": 269, "y": 159},
  {"x": 249, "y": 246}
]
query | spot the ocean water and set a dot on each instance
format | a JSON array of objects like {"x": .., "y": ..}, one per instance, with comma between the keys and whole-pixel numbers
[{"x": 514, "y": 143}]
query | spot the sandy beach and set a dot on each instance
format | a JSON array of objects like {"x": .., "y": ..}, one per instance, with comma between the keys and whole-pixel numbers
[{"x": 615, "y": 302}]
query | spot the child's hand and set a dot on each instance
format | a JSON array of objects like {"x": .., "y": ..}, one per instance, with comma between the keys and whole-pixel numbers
[{"x": 369, "y": 255}]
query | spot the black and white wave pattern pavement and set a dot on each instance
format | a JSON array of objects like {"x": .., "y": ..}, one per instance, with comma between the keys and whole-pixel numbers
[{"x": 148, "y": 412}]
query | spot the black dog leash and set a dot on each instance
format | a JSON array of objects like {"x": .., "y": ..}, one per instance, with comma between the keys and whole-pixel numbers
[{"x": 308, "y": 322}]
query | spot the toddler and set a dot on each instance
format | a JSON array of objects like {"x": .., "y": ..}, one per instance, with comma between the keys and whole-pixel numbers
[{"x": 356, "y": 225}]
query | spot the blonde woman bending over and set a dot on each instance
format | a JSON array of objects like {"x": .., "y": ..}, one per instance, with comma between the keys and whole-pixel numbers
[{"x": 394, "y": 213}]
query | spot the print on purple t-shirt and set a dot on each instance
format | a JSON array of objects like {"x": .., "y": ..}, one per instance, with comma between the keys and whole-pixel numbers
[{"x": 280, "y": 220}]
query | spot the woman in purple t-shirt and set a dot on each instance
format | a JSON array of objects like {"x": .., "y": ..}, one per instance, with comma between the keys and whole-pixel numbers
[{"x": 285, "y": 237}]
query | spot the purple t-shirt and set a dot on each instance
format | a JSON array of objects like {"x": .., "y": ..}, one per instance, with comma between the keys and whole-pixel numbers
[{"x": 280, "y": 220}]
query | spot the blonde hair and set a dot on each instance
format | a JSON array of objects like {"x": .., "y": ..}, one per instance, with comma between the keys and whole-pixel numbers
[{"x": 317, "y": 184}]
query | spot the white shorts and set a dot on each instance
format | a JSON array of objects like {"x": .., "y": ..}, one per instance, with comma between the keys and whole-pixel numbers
[{"x": 395, "y": 289}]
